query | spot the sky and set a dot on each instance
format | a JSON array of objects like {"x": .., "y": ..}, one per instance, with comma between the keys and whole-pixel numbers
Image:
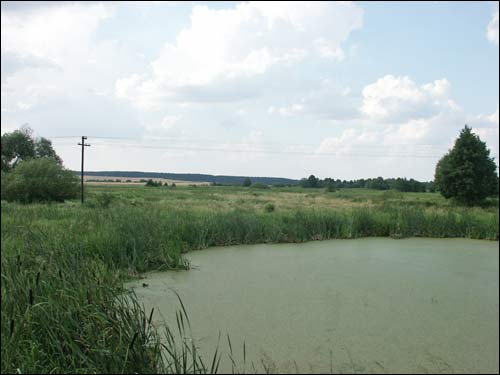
[{"x": 336, "y": 89}]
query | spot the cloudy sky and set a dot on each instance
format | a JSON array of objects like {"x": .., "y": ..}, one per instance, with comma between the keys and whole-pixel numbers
[{"x": 343, "y": 90}]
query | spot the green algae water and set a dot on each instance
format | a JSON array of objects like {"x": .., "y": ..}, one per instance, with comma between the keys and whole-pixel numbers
[{"x": 344, "y": 306}]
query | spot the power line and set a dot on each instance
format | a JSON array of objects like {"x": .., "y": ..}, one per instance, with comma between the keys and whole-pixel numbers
[
  {"x": 266, "y": 151},
  {"x": 417, "y": 150},
  {"x": 211, "y": 140},
  {"x": 83, "y": 144}
]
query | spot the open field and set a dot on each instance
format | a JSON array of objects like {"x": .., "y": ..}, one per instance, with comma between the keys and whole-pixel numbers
[
  {"x": 110, "y": 180},
  {"x": 63, "y": 265},
  {"x": 284, "y": 198}
]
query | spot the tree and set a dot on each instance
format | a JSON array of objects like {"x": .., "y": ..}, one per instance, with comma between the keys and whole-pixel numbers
[
  {"x": 43, "y": 149},
  {"x": 39, "y": 180},
  {"x": 21, "y": 145},
  {"x": 16, "y": 147},
  {"x": 311, "y": 182},
  {"x": 330, "y": 187},
  {"x": 467, "y": 173},
  {"x": 152, "y": 183},
  {"x": 377, "y": 183},
  {"x": 247, "y": 182}
]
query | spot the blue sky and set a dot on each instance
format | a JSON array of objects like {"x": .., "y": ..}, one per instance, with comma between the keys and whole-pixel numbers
[{"x": 343, "y": 90}]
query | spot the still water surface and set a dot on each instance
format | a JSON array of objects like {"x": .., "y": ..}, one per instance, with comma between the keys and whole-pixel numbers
[{"x": 349, "y": 306}]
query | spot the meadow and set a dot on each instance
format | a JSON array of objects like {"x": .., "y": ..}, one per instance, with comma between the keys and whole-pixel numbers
[{"x": 64, "y": 309}]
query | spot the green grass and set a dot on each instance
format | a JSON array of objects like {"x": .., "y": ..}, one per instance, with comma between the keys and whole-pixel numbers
[{"x": 63, "y": 265}]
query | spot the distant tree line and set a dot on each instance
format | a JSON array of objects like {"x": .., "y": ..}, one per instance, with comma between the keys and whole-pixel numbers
[
  {"x": 379, "y": 183},
  {"x": 32, "y": 171},
  {"x": 195, "y": 177}
]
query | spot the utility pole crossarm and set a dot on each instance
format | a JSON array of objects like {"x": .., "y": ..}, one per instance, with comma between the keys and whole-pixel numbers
[{"x": 83, "y": 144}]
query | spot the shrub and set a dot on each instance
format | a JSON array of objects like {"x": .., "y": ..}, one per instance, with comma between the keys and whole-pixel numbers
[
  {"x": 150, "y": 182},
  {"x": 330, "y": 189},
  {"x": 269, "y": 207},
  {"x": 260, "y": 186},
  {"x": 39, "y": 180},
  {"x": 104, "y": 200}
]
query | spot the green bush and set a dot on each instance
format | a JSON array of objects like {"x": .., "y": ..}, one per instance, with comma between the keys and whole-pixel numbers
[
  {"x": 330, "y": 189},
  {"x": 269, "y": 207},
  {"x": 39, "y": 180},
  {"x": 152, "y": 183},
  {"x": 104, "y": 200},
  {"x": 260, "y": 186}
]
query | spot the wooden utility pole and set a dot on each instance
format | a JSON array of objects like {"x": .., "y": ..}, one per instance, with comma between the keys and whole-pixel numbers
[{"x": 83, "y": 144}]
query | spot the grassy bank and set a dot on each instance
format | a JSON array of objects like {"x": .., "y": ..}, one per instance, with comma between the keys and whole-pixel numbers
[{"x": 63, "y": 265}]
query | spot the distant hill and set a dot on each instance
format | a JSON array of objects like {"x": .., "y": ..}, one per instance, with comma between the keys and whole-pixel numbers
[{"x": 195, "y": 177}]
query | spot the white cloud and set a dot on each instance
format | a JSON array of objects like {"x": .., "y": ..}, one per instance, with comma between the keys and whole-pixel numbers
[
  {"x": 327, "y": 101},
  {"x": 492, "y": 30},
  {"x": 490, "y": 136},
  {"x": 23, "y": 106},
  {"x": 52, "y": 34},
  {"x": 241, "y": 112},
  {"x": 396, "y": 99},
  {"x": 404, "y": 119},
  {"x": 348, "y": 141},
  {"x": 224, "y": 45},
  {"x": 168, "y": 122},
  {"x": 292, "y": 110},
  {"x": 494, "y": 117},
  {"x": 52, "y": 52},
  {"x": 125, "y": 87},
  {"x": 486, "y": 126},
  {"x": 328, "y": 50},
  {"x": 485, "y": 120}
]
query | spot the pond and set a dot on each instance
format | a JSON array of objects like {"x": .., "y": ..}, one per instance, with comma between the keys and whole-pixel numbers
[{"x": 372, "y": 305}]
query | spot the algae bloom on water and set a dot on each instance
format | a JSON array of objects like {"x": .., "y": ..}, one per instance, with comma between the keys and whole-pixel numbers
[{"x": 355, "y": 306}]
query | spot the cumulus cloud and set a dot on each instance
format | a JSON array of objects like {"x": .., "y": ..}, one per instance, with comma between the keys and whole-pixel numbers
[
  {"x": 54, "y": 34},
  {"x": 402, "y": 119},
  {"x": 291, "y": 110},
  {"x": 166, "y": 124},
  {"x": 52, "y": 50},
  {"x": 492, "y": 29},
  {"x": 396, "y": 99},
  {"x": 225, "y": 45},
  {"x": 58, "y": 74},
  {"x": 348, "y": 141},
  {"x": 329, "y": 101},
  {"x": 486, "y": 126}
]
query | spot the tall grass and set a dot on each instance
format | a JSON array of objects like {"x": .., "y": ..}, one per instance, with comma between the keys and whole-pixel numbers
[{"x": 63, "y": 267}]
